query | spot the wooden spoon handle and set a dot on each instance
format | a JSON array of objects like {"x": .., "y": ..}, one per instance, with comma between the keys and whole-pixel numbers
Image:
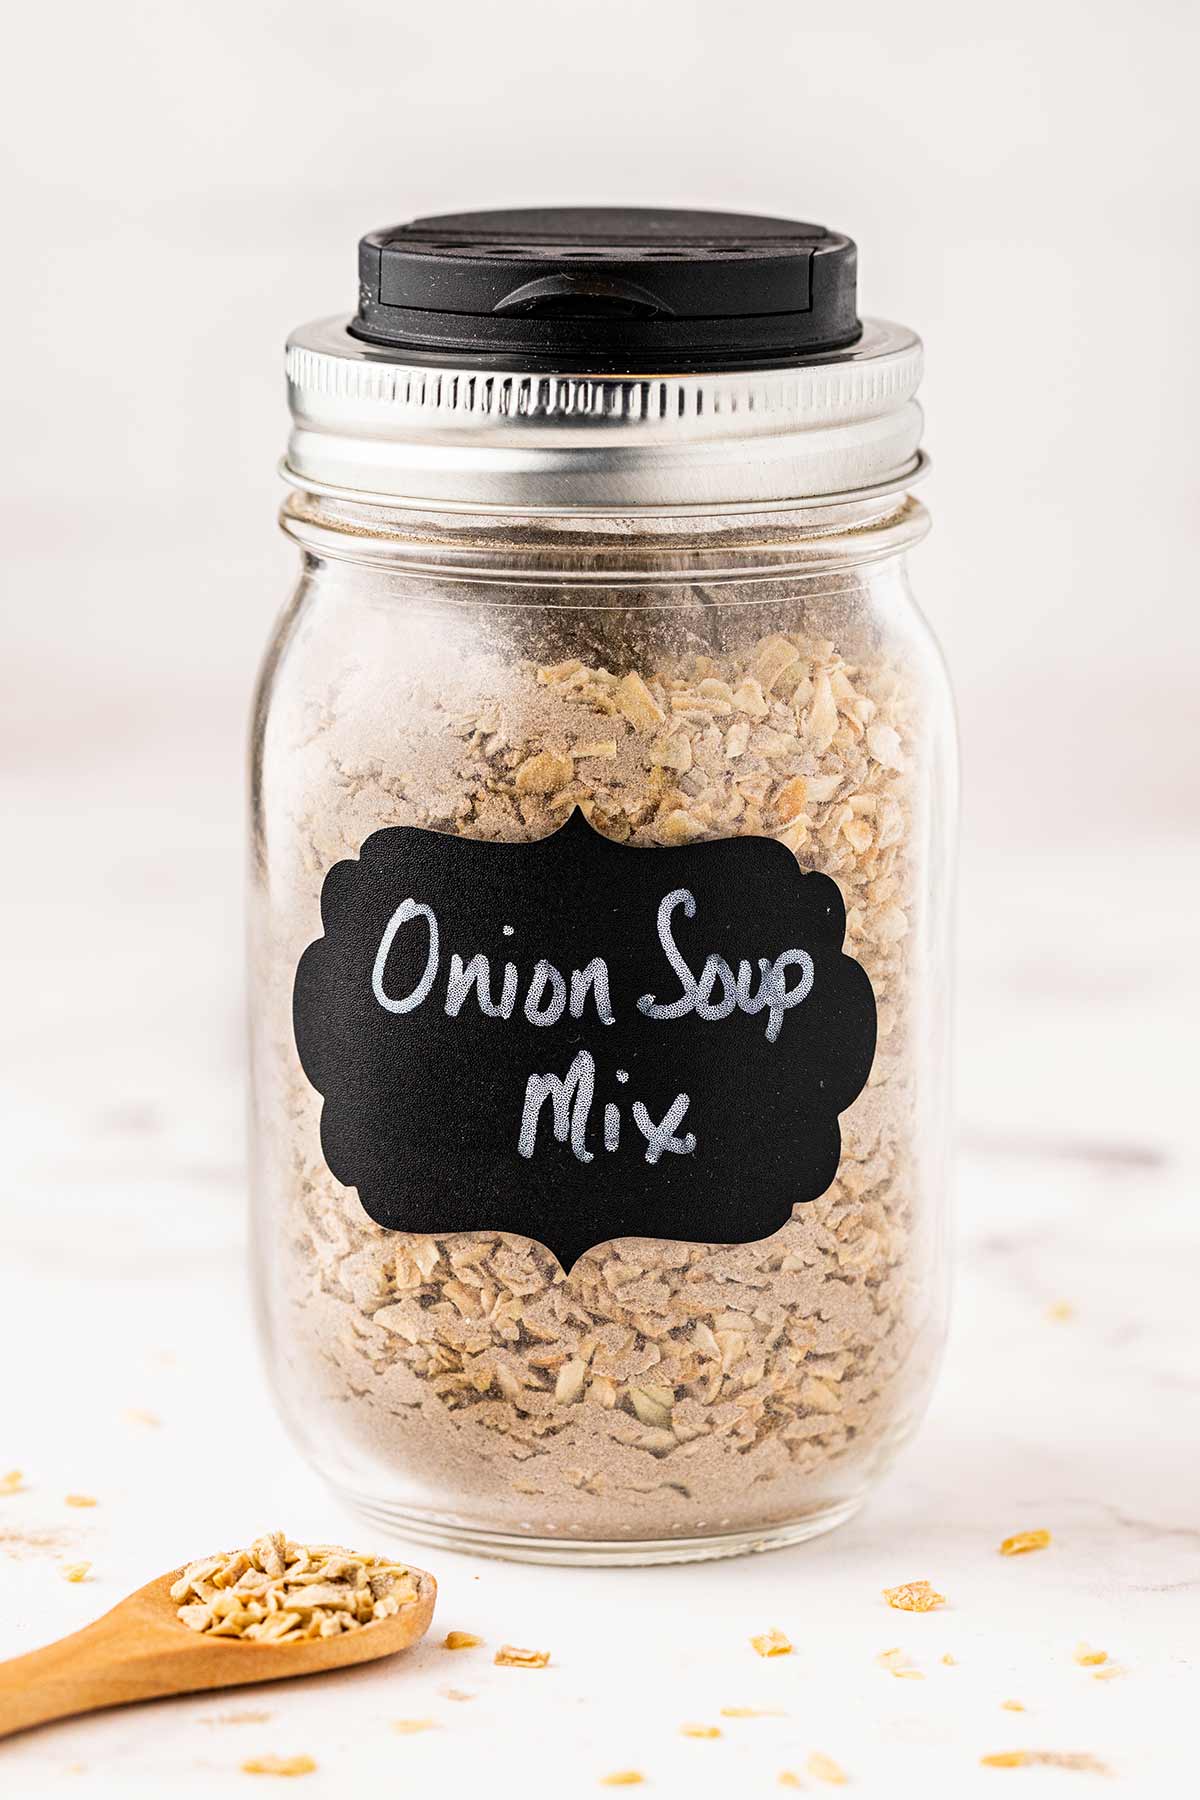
[
  {"x": 140, "y": 1651},
  {"x": 90, "y": 1669},
  {"x": 46, "y": 1684}
]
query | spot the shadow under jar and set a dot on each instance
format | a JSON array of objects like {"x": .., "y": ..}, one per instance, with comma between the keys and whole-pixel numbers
[{"x": 557, "y": 632}]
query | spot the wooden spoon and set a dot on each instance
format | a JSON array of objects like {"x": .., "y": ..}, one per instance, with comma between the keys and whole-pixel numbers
[{"x": 141, "y": 1651}]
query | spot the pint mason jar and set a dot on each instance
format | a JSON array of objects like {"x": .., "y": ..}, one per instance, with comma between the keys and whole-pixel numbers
[{"x": 603, "y": 805}]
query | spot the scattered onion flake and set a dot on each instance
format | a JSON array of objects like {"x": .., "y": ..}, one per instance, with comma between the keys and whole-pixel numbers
[
  {"x": 914, "y": 1596},
  {"x": 278, "y": 1765},
  {"x": 1022, "y": 1542},
  {"x": 508, "y": 1656},
  {"x": 1050, "y": 1759},
  {"x": 897, "y": 1663},
  {"x": 772, "y": 1643},
  {"x": 823, "y": 1768}
]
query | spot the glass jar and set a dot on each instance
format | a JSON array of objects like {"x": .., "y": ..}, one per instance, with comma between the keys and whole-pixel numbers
[{"x": 549, "y": 1307}]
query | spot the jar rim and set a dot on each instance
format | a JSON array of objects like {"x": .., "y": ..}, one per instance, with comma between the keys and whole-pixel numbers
[{"x": 584, "y": 561}]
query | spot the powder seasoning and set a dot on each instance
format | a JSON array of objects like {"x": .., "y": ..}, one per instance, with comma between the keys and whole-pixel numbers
[
  {"x": 649, "y": 1389},
  {"x": 664, "y": 1396}
]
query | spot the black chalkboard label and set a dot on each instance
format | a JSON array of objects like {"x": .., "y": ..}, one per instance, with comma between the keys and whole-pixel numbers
[{"x": 575, "y": 1041}]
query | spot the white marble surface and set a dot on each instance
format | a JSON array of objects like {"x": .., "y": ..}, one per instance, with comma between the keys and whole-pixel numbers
[
  {"x": 141, "y": 572},
  {"x": 123, "y": 1290}
]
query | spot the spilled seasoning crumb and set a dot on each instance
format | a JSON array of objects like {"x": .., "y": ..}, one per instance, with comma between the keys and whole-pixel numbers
[
  {"x": 407, "y": 1727},
  {"x": 461, "y": 1640},
  {"x": 951, "y": 1662},
  {"x": 76, "y": 1571},
  {"x": 278, "y": 1765},
  {"x": 823, "y": 1768},
  {"x": 700, "y": 1731},
  {"x": 788, "y": 1778},
  {"x": 456, "y": 1694},
  {"x": 914, "y": 1596},
  {"x": 13, "y": 1482},
  {"x": 1022, "y": 1542},
  {"x": 1013, "y": 1705},
  {"x": 897, "y": 1663},
  {"x": 1089, "y": 1658},
  {"x": 508, "y": 1656},
  {"x": 623, "y": 1778},
  {"x": 1060, "y": 1311},
  {"x": 138, "y": 1415},
  {"x": 1050, "y": 1759},
  {"x": 18, "y": 1544},
  {"x": 80, "y": 1500},
  {"x": 1109, "y": 1673},
  {"x": 752, "y": 1712},
  {"x": 772, "y": 1643}
]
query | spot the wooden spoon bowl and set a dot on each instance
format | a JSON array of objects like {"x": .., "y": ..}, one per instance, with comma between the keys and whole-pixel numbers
[{"x": 142, "y": 1651}]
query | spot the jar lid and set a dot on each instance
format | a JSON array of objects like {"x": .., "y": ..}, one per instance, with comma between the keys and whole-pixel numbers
[
  {"x": 600, "y": 359},
  {"x": 592, "y": 287}
]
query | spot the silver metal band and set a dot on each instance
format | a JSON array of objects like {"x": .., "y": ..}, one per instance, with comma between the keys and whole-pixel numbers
[{"x": 840, "y": 426}]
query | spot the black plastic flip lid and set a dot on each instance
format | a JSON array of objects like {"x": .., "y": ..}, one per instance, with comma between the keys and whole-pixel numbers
[{"x": 607, "y": 289}]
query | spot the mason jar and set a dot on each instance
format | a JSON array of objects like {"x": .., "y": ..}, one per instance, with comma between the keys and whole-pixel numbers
[{"x": 603, "y": 806}]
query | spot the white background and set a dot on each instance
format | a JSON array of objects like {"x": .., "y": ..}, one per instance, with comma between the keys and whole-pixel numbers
[{"x": 182, "y": 185}]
